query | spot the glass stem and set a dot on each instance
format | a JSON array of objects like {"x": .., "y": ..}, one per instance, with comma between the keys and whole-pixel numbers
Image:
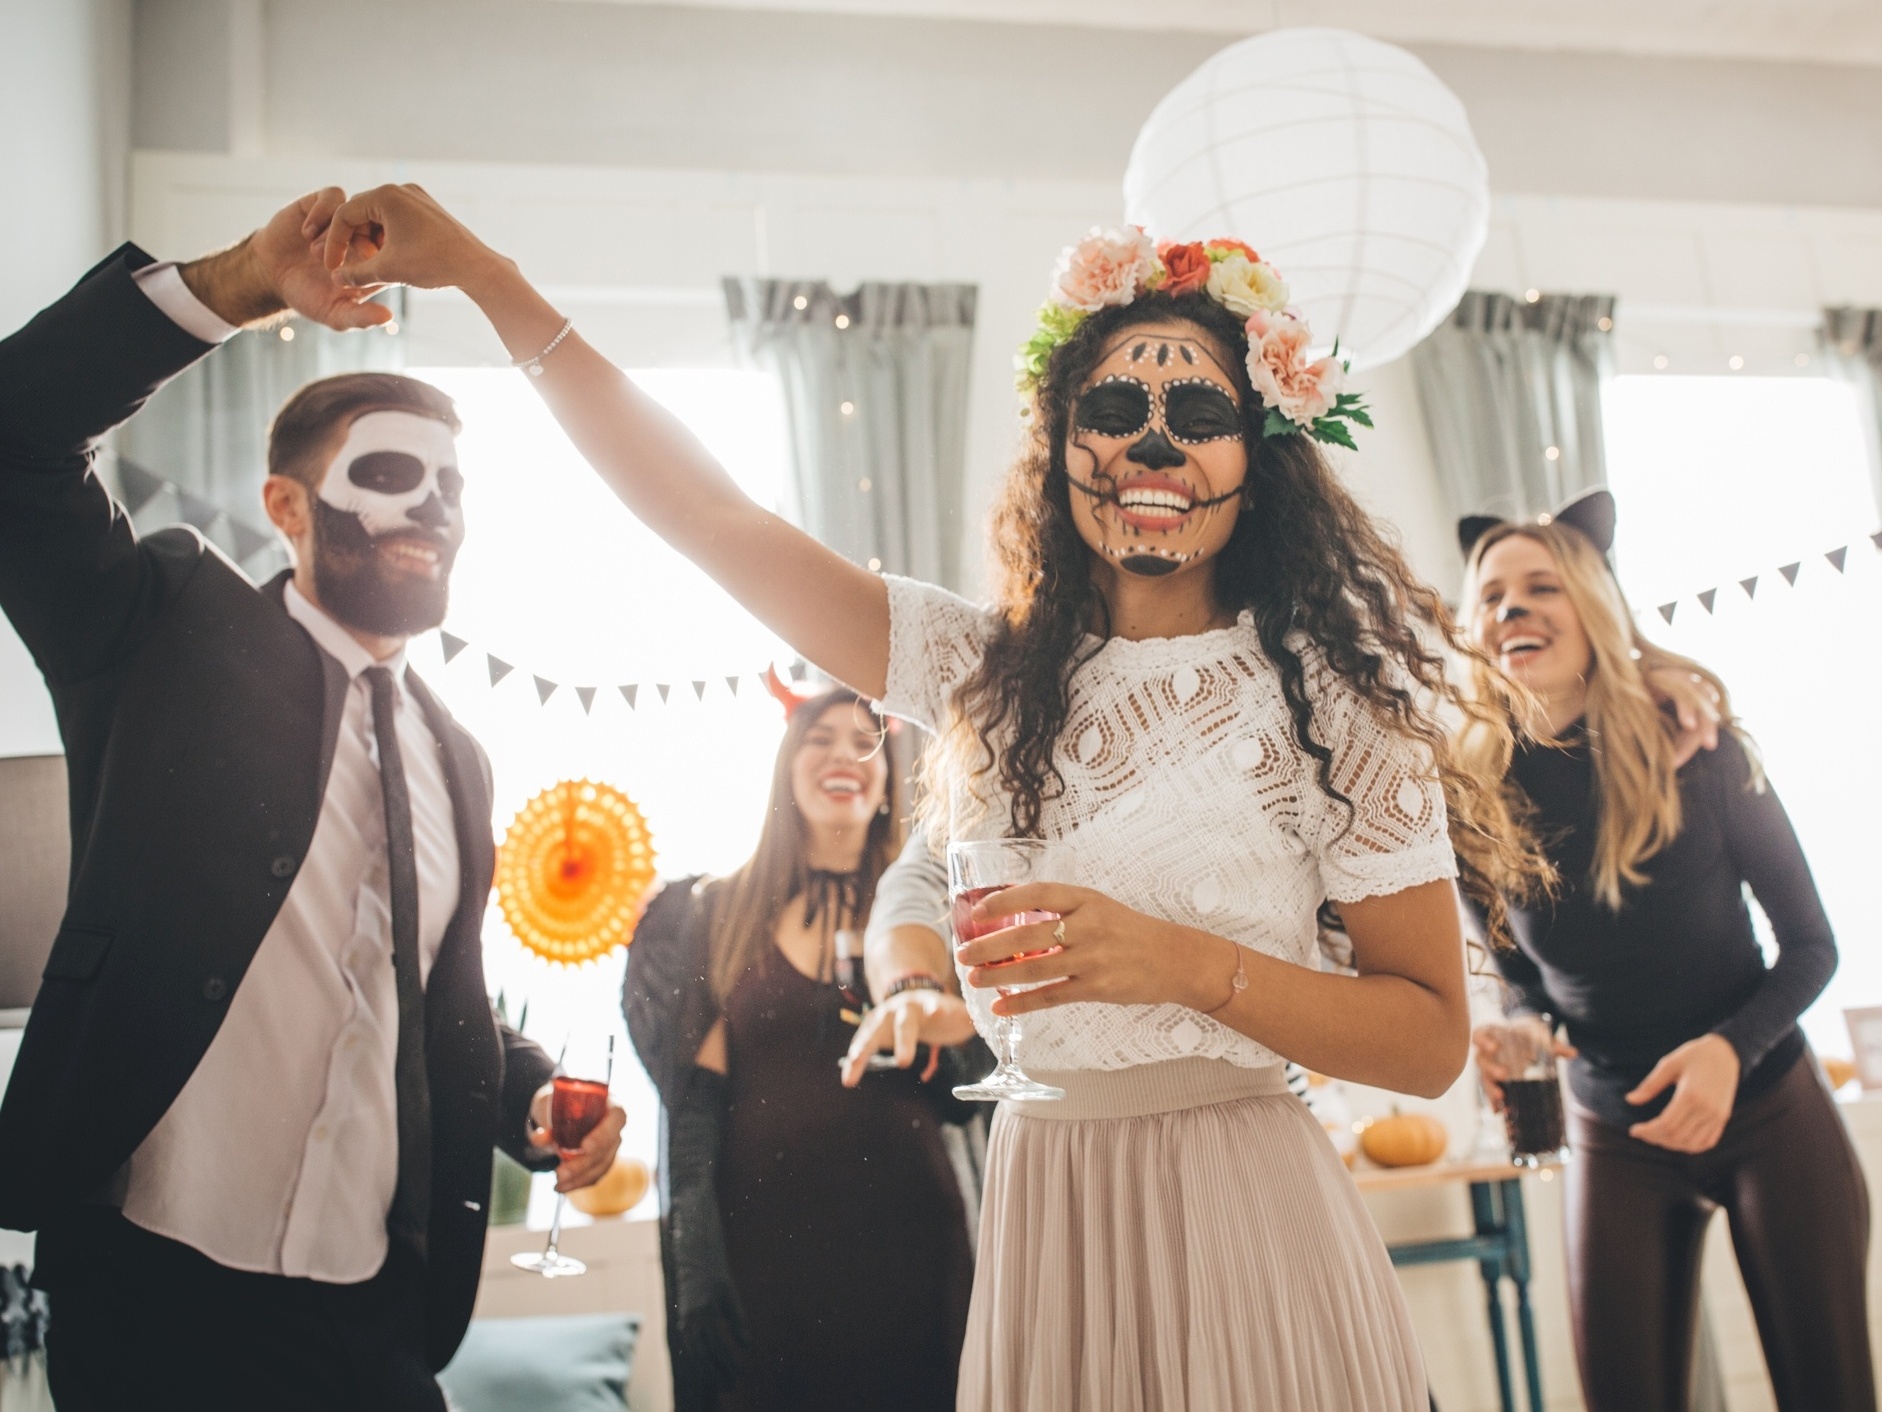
[
  {"x": 555, "y": 1224},
  {"x": 1009, "y": 1036}
]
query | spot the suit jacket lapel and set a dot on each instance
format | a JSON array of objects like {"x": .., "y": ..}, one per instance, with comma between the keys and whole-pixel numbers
[
  {"x": 470, "y": 793},
  {"x": 334, "y": 678}
]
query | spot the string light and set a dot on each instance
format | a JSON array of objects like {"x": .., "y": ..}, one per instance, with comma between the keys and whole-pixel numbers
[
  {"x": 865, "y": 485},
  {"x": 875, "y": 566},
  {"x": 1553, "y": 453},
  {"x": 287, "y": 333},
  {"x": 1734, "y": 362},
  {"x": 848, "y": 409},
  {"x": 1802, "y": 360},
  {"x": 1534, "y": 296},
  {"x": 1659, "y": 361},
  {"x": 801, "y": 302},
  {"x": 842, "y": 320},
  {"x": 392, "y": 325},
  {"x": 1604, "y": 323}
]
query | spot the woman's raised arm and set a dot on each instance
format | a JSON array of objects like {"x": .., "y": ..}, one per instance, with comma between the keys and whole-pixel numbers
[{"x": 832, "y": 611}]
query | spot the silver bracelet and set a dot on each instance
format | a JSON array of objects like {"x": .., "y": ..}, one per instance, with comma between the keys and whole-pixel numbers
[{"x": 534, "y": 365}]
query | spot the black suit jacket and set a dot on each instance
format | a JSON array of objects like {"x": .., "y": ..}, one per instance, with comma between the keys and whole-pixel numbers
[{"x": 199, "y": 723}]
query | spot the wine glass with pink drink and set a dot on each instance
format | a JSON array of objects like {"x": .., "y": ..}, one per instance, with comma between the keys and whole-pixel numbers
[{"x": 977, "y": 868}]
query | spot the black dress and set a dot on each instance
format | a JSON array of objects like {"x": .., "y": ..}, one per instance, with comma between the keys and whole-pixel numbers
[
  {"x": 844, "y": 1224},
  {"x": 843, "y": 1218}
]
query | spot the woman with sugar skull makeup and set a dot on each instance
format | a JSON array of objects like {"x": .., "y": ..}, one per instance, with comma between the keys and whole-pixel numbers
[{"x": 1207, "y": 667}]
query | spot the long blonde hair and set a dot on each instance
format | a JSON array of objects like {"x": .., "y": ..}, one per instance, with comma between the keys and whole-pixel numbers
[
  {"x": 1630, "y": 737},
  {"x": 746, "y": 904}
]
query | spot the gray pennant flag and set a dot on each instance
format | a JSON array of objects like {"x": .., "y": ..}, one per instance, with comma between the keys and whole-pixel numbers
[
  {"x": 1837, "y": 558},
  {"x": 451, "y": 643},
  {"x": 586, "y": 695},
  {"x": 1668, "y": 609},
  {"x": 544, "y": 690},
  {"x": 1790, "y": 572},
  {"x": 138, "y": 485},
  {"x": 499, "y": 669},
  {"x": 248, "y": 542},
  {"x": 1706, "y": 599},
  {"x": 699, "y": 691},
  {"x": 732, "y": 684},
  {"x": 663, "y": 689},
  {"x": 630, "y": 692},
  {"x": 1750, "y": 586}
]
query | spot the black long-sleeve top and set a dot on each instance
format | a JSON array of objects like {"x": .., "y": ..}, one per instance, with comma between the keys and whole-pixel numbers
[{"x": 1679, "y": 959}]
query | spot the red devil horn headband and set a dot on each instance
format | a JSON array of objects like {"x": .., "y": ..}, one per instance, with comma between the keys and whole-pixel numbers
[{"x": 788, "y": 699}]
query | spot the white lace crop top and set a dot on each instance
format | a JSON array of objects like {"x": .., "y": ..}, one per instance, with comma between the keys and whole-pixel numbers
[{"x": 1186, "y": 797}]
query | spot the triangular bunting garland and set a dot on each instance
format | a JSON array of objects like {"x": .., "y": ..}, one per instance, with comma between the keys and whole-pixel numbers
[
  {"x": 140, "y": 487},
  {"x": 799, "y": 669},
  {"x": 586, "y": 694},
  {"x": 732, "y": 685},
  {"x": 663, "y": 689},
  {"x": 1876, "y": 539},
  {"x": 499, "y": 669},
  {"x": 629, "y": 693},
  {"x": 1666, "y": 611},
  {"x": 248, "y": 542},
  {"x": 1706, "y": 599},
  {"x": 451, "y": 643},
  {"x": 1837, "y": 557},
  {"x": 1790, "y": 572},
  {"x": 1750, "y": 586},
  {"x": 699, "y": 691},
  {"x": 544, "y": 690}
]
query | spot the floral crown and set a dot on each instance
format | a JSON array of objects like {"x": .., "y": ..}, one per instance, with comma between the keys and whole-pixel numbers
[{"x": 1117, "y": 266}]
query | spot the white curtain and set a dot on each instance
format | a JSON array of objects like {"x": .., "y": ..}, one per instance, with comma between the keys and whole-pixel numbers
[
  {"x": 1511, "y": 392},
  {"x": 875, "y": 393}
]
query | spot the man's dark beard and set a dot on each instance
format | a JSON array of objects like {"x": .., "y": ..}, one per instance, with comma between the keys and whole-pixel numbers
[{"x": 356, "y": 587}]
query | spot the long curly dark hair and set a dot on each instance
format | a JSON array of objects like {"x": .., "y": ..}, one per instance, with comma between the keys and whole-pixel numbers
[{"x": 1305, "y": 560}]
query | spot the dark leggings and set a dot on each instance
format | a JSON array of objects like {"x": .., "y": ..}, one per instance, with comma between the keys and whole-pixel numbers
[{"x": 1787, "y": 1176}]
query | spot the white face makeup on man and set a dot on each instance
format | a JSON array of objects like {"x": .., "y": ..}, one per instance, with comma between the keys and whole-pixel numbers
[
  {"x": 388, "y": 522},
  {"x": 1155, "y": 452}
]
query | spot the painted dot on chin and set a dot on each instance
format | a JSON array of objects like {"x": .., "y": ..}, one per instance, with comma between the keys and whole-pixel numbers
[{"x": 1148, "y": 565}]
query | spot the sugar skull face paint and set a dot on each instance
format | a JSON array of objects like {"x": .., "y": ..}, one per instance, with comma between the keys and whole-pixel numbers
[
  {"x": 1155, "y": 451},
  {"x": 388, "y": 523}
]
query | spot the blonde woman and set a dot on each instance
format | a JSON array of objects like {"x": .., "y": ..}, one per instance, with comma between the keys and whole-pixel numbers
[{"x": 1691, "y": 1084}]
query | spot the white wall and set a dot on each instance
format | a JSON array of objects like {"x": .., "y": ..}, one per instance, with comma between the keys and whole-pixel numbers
[{"x": 64, "y": 96}]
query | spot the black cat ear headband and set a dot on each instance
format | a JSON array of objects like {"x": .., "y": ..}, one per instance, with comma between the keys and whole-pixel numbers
[{"x": 1592, "y": 514}]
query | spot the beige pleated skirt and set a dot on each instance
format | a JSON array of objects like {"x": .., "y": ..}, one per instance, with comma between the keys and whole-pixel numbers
[{"x": 1179, "y": 1237}]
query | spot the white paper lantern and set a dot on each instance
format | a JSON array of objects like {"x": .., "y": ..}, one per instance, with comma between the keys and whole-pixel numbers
[{"x": 1342, "y": 160}]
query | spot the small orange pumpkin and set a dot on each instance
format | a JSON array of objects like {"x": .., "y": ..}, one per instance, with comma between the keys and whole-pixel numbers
[
  {"x": 618, "y": 1192},
  {"x": 1404, "y": 1140}
]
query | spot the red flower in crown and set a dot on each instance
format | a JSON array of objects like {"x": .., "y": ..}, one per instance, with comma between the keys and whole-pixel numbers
[
  {"x": 1186, "y": 266},
  {"x": 1235, "y": 245}
]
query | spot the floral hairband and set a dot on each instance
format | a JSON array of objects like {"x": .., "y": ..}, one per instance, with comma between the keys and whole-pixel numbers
[{"x": 1116, "y": 266}]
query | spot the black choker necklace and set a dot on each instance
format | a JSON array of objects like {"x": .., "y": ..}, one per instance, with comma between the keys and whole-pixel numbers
[{"x": 836, "y": 895}]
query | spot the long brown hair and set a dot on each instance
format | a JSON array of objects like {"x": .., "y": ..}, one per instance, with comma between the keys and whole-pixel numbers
[
  {"x": 1308, "y": 559},
  {"x": 1630, "y": 737},
  {"x": 745, "y": 905}
]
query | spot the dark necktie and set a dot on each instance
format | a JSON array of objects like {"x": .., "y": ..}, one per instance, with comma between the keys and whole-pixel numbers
[{"x": 411, "y": 1203}]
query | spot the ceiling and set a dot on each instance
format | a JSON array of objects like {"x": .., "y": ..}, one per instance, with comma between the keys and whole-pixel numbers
[{"x": 1813, "y": 31}]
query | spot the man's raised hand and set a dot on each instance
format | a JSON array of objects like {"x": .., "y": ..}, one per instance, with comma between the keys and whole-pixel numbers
[{"x": 279, "y": 268}]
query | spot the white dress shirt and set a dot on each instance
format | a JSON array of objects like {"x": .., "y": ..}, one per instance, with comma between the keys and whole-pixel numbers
[{"x": 280, "y": 1155}]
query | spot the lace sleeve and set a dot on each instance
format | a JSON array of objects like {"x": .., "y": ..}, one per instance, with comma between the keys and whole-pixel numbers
[
  {"x": 1395, "y": 835},
  {"x": 934, "y": 642}
]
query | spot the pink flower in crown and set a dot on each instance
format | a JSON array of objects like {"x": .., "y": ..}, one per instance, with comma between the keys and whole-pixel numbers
[
  {"x": 1106, "y": 267},
  {"x": 1303, "y": 392}
]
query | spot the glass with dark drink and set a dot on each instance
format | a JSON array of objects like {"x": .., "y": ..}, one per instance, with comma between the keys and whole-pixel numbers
[
  {"x": 1532, "y": 1093},
  {"x": 977, "y": 869},
  {"x": 576, "y": 1106}
]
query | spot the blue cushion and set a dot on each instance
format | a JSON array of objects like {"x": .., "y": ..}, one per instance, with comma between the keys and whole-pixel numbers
[{"x": 567, "y": 1362}]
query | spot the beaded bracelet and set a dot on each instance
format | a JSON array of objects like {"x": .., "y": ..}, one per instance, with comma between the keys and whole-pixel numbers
[
  {"x": 916, "y": 981},
  {"x": 534, "y": 365}
]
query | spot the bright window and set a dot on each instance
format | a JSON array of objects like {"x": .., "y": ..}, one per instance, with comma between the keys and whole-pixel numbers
[
  {"x": 1719, "y": 479},
  {"x": 558, "y": 580}
]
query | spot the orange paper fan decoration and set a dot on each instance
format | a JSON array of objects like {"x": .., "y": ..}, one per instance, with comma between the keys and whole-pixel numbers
[{"x": 575, "y": 866}]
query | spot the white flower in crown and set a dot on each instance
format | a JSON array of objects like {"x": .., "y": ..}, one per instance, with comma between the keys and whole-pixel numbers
[
  {"x": 1109, "y": 266},
  {"x": 1244, "y": 286},
  {"x": 1301, "y": 391}
]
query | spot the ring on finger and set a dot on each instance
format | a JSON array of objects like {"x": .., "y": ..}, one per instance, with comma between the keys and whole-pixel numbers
[{"x": 1058, "y": 932}]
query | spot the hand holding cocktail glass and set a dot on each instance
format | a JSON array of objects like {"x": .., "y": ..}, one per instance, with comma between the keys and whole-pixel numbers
[{"x": 574, "y": 1114}]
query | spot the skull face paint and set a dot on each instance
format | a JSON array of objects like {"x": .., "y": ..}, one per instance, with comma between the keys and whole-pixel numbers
[
  {"x": 1155, "y": 453},
  {"x": 388, "y": 522}
]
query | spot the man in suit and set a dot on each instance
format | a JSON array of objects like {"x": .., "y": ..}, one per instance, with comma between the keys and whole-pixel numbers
[{"x": 252, "y": 1114}]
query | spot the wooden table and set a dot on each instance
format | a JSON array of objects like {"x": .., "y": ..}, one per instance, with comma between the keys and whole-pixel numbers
[{"x": 1500, "y": 1247}]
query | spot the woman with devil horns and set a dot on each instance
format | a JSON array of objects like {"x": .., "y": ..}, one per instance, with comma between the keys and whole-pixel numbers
[
  {"x": 1208, "y": 669},
  {"x": 813, "y": 1237}
]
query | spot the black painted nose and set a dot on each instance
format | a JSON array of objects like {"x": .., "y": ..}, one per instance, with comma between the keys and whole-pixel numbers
[
  {"x": 1510, "y": 612},
  {"x": 431, "y": 514},
  {"x": 1154, "y": 451}
]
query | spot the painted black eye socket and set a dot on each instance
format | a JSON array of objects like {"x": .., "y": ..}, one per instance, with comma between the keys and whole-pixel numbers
[
  {"x": 1200, "y": 411},
  {"x": 387, "y": 472},
  {"x": 451, "y": 484},
  {"x": 1116, "y": 407}
]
